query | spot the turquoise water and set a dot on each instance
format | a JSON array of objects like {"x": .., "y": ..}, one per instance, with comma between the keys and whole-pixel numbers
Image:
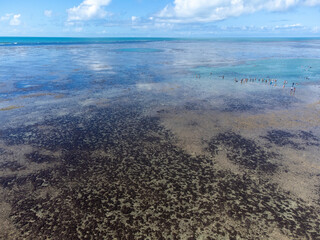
[
  {"x": 303, "y": 71},
  {"x": 142, "y": 50},
  {"x": 5, "y": 41},
  {"x": 74, "y": 65}
]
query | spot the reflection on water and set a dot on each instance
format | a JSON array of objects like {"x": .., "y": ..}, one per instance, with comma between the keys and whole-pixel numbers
[
  {"x": 141, "y": 50},
  {"x": 174, "y": 139}
]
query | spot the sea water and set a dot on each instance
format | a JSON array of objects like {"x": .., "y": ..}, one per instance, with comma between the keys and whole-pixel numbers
[{"x": 159, "y": 137}]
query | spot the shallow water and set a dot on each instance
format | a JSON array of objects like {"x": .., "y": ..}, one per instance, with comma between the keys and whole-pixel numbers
[{"x": 154, "y": 139}]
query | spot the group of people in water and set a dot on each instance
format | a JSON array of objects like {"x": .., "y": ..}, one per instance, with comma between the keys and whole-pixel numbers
[{"x": 271, "y": 82}]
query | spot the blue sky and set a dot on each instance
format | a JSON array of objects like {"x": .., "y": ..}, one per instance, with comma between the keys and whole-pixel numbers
[{"x": 160, "y": 18}]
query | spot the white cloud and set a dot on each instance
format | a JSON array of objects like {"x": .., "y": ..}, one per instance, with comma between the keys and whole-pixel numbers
[
  {"x": 68, "y": 24},
  {"x": 48, "y": 13},
  {"x": 289, "y": 26},
  {"x": 265, "y": 28},
  {"x": 134, "y": 18},
  {"x": 312, "y": 2},
  {"x": 14, "y": 19},
  {"x": 78, "y": 29},
  {"x": 214, "y": 10},
  {"x": 315, "y": 29},
  {"x": 6, "y": 17},
  {"x": 88, "y": 9}
]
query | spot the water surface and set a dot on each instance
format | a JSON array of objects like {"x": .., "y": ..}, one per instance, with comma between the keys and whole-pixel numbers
[{"x": 155, "y": 138}]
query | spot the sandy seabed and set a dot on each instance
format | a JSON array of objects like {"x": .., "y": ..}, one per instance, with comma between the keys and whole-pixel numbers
[
  {"x": 119, "y": 168},
  {"x": 160, "y": 140}
]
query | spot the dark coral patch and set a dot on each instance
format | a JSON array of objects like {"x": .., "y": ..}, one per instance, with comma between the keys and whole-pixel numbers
[
  {"x": 281, "y": 138},
  {"x": 309, "y": 138},
  {"x": 238, "y": 106},
  {"x": 242, "y": 151},
  {"x": 298, "y": 140},
  {"x": 36, "y": 180},
  {"x": 12, "y": 166},
  {"x": 121, "y": 176},
  {"x": 39, "y": 158}
]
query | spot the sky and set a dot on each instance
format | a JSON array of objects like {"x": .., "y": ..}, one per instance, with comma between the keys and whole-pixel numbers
[{"x": 160, "y": 18}]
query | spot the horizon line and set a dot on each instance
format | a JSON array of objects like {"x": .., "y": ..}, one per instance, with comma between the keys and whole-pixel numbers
[{"x": 162, "y": 37}]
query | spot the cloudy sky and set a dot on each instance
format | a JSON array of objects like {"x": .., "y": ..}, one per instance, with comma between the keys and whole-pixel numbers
[{"x": 160, "y": 18}]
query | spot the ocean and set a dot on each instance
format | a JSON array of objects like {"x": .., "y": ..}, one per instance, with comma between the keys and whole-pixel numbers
[{"x": 159, "y": 138}]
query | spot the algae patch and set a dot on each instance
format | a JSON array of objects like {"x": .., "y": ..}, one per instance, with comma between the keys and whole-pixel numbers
[
  {"x": 297, "y": 141},
  {"x": 242, "y": 151},
  {"x": 10, "y": 108},
  {"x": 55, "y": 95},
  {"x": 120, "y": 175}
]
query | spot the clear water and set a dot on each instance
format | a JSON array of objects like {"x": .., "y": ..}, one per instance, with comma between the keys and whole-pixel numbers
[
  {"x": 128, "y": 138},
  {"x": 55, "y": 66}
]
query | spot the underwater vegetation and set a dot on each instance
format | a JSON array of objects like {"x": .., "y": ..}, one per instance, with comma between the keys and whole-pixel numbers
[
  {"x": 120, "y": 175},
  {"x": 242, "y": 151},
  {"x": 122, "y": 141},
  {"x": 10, "y": 108},
  {"x": 284, "y": 138}
]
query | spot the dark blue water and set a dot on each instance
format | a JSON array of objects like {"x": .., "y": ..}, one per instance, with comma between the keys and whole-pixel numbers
[{"x": 5, "y": 41}]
